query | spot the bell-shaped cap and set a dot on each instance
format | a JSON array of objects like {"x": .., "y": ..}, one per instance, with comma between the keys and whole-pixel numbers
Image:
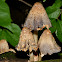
[
  {"x": 37, "y": 18},
  {"x": 47, "y": 43},
  {"x": 26, "y": 41},
  {"x": 4, "y": 47}
]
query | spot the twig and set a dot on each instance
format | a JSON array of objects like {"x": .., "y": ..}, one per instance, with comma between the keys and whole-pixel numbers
[{"x": 26, "y": 3}]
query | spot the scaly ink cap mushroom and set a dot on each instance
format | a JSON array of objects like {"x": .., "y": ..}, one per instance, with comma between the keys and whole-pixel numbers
[
  {"x": 47, "y": 43},
  {"x": 37, "y": 18},
  {"x": 4, "y": 47},
  {"x": 26, "y": 41}
]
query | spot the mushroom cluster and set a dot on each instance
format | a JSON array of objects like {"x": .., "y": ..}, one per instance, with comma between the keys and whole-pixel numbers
[{"x": 36, "y": 20}]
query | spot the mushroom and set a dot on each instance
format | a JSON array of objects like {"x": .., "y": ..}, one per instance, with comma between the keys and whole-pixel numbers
[
  {"x": 4, "y": 47},
  {"x": 26, "y": 41},
  {"x": 37, "y": 18},
  {"x": 47, "y": 43}
]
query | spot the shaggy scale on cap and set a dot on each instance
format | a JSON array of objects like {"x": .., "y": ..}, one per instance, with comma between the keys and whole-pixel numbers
[{"x": 26, "y": 41}]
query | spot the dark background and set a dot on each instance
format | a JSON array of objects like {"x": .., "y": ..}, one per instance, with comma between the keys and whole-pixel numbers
[{"x": 19, "y": 12}]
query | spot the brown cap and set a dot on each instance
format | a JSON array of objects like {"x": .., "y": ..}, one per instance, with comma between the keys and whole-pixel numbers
[
  {"x": 47, "y": 43},
  {"x": 4, "y": 47},
  {"x": 37, "y": 18},
  {"x": 26, "y": 41}
]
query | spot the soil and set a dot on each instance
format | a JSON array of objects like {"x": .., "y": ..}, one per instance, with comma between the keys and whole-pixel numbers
[
  {"x": 25, "y": 60},
  {"x": 11, "y": 57}
]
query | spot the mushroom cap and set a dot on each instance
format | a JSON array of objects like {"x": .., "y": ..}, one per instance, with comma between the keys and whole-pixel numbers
[
  {"x": 37, "y": 18},
  {"x": 4, "y": 47},
  {"x": 47, "y": 43},
  {"x": 26, "y": 41}
]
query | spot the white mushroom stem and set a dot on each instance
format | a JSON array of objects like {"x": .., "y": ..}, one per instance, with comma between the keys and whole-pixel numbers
[
  {"x": 31, "y": 57},
  {"x": 36, "y": 58},
  {"x": 35, "y": 34}
]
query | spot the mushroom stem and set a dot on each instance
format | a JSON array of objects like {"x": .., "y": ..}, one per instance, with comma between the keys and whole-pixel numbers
[
  {"x": 35, "y": 34},
  {"x": 31, "y": 57},
  {"x": 39, "y": 58},
  {"x": 36, "y": 58}
]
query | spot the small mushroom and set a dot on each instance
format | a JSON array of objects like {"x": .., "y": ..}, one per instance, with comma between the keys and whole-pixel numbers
[
  {"x": 37, "y": 18},
  {"x": 47, "y": 43},
  {"x": 26, "y": 41},
  {"x": 4, "y": 47}
]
